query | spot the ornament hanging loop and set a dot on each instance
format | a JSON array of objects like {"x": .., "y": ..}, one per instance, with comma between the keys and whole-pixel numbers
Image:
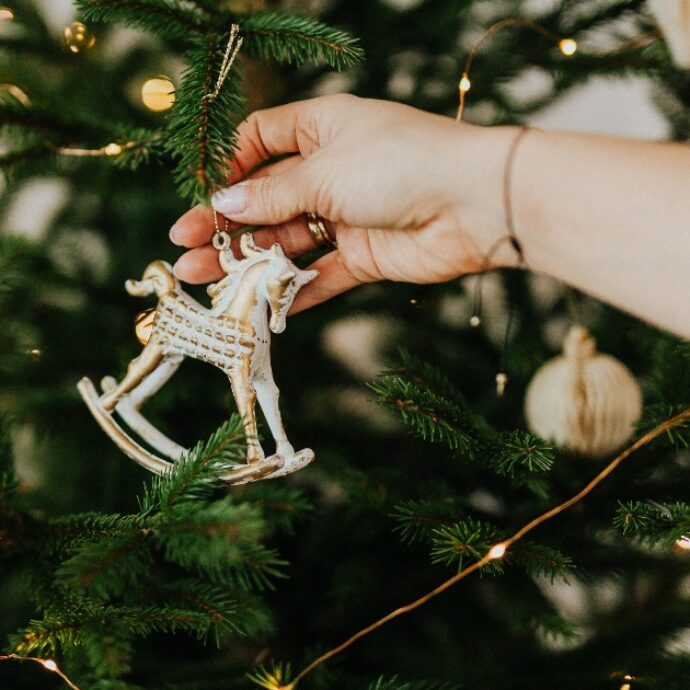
[
  {"x": 221, "y": 241},
  {"x": 231, "y": 51}
]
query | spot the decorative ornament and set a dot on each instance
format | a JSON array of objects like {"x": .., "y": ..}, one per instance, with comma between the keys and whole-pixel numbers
[
  {"x": 673, "y": 17},
  {"x": 584, "y": 401},
  {"x": 79, "y": 37},
  {"x": 158, "y": 94},
  {"x": 234, "y": 335}
]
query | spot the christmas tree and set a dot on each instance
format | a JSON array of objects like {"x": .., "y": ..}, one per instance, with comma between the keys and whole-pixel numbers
[{"x": 113, "y": 122}]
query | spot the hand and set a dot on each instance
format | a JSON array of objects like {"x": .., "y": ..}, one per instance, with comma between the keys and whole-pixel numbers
[{"x": 388, "y": 179}]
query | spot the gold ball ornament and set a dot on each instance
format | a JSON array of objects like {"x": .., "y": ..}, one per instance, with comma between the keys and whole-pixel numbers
[
  {"x": 584, "y": 401},
  {"x": 158, "y": 94},
  {"x": 78, "y": 37},
  {"x": 143, "y": 325}
]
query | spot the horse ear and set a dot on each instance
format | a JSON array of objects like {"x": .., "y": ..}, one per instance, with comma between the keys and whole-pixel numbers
[
  {"x": 227, "y": 261},
  {"x": 248, "y": 246}
]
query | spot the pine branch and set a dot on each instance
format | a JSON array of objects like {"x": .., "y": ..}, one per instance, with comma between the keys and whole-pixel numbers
[
  {"x": 160, "y": 17},
  {"x": 431, "y": 416},
  {"x": 196, "y": 476},
  {"x": 518, "y": 451},
  {"x": 219, "y": 540},
  {"x": 653, "y": 523},
  {"x": 539, "y": 560},
  {"x": 418, "y": 519},
  {"x": 201, "y": 132},
  {"x": 293, "y": 39},
  {"x": 425, "y": 375},
  {"x": 468, "y": 539}
]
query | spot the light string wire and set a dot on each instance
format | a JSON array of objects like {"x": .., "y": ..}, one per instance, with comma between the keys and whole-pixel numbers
[
  {"x": 48, "y": 664},
  {"x": 499, "y": 550}
]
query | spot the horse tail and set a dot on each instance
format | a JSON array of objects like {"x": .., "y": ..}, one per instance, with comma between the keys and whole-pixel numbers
[{"x": 158, "y": 277}]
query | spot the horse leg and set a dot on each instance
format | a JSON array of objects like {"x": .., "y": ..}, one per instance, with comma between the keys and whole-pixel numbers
[
  {"x": 139, "y": 368},
  {"x": 268, "y": 394},
  {"x": 245, "y": 397}
]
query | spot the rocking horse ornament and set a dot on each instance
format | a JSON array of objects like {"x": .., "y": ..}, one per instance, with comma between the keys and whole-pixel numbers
[{"x": 234, "y": 335}]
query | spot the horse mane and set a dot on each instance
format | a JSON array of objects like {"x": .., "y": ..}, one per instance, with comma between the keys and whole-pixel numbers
[{"x": 224, "y": 291}]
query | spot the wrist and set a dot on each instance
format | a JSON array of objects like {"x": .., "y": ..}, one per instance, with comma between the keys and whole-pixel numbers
[{"x": 482, "y": 189}]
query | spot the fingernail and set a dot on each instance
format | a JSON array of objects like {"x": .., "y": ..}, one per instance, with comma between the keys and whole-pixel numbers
[
  {"x": 176, "y": 269},
  {"x": 230, "y": 200},
  {"x": 175, "y": 235}
]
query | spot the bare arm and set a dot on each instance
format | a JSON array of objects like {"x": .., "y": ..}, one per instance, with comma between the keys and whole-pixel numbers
[{"x": 415, "y": 197}]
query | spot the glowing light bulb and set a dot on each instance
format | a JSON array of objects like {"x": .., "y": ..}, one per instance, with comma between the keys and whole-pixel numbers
[
  {"x": 567, "y": 46},
  {"x": 158, "y": 94},
  {"x": 50, "y": 665},
  {"x": 6, "y": 14},
  {"x": 35, "y": 352},
  {"x": 465, "y": 84},
  {"x": 497, "y": 551},
  {"x": 112, "y": 149},
  {"x": 78, "y": 37},
  {"x": 475, "y": 321},
  {"x": 501, "y": 382},
  {"x": 683, "y": 543}
]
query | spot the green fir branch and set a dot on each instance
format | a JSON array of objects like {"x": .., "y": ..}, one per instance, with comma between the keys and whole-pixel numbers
[
  {"x": 466, "y": 540},
  {"x": 197, "y": 475},
  {"x": 653, "y": 523},
  {"x": 429, "y": 415},
  {"x": 293, "y": 39},
  {"x": 539, "y": 560},
  {"x": 202, "y": 130},
  {"x": 517, "y": 452},
  {"x": 160, "y": 17},
  {"x": 418, "y": 519}
]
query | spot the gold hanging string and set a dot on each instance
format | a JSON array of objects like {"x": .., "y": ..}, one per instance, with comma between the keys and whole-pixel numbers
[
  {"x": 499, "y": 550},
  {"x": 232, "y": 49}
]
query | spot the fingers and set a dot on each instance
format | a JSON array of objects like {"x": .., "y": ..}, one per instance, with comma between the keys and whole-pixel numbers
[
  {"x": 196, "y": 227},
  {"x": 272, "y": 132},
  {"x": 272, "y": 199},
  {"x": 334, "y": 278},
  {"x": 200, "y": 265}
]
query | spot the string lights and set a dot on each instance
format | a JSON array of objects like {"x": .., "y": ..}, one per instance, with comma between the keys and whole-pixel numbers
[
  {"x": 499, "y": 550},
  {"x": 48, "y": 665},
  {"x": 683, "y": 543},
  {"x": 158, "y": 94}
]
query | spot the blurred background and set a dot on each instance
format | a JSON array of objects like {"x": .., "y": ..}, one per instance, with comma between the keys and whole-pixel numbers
[{"x": 89, "y": 225}]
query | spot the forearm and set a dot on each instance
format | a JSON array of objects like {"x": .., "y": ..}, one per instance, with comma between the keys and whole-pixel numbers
[{"x": 610, "y": 217}]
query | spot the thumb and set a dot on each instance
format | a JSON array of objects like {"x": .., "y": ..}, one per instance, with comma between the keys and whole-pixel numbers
[{"x": 268, "y": 200}]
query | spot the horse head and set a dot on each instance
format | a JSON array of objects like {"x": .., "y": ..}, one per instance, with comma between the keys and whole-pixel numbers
[
  {"x": 278, "y": 284},
  {"x": 281, "y": 281}
]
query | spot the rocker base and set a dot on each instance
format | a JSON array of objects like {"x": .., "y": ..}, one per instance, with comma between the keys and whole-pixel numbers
[{"x": 267, "y": 468}]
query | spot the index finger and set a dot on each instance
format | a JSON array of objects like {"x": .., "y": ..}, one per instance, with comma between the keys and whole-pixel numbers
[{"x": 273, "y": 132}]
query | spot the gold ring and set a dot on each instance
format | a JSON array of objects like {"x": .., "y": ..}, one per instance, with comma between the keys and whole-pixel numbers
[{"x": 318, "y": 231}]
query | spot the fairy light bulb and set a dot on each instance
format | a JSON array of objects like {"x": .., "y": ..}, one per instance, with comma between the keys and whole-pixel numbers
[
  {"x": 501, "y": 382},
  {"x": 465, "y": 84},
  {"x": 49, "y": 664},
  {"x": 496, "y": 552},
  {"x": 567, "y": 46},
  {"x": 158, "y": 94},
  {"x": 683, "y": 543},
  {"x": 475, "y": 321},
  {"x": 78, "y": 37},
  {"x": 112, "y": 149},
  {"x": 6, "y": 14}
]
